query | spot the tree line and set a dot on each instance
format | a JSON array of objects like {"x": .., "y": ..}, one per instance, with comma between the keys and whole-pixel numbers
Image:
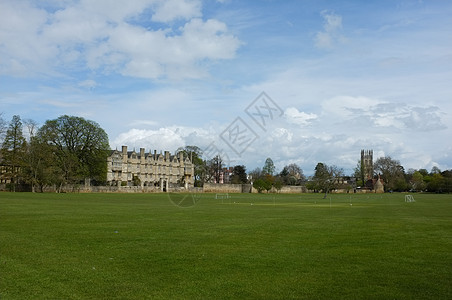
[
  {"x": 325, "y": 178},
  {"x": 66, "y": 150},
  {"x": 70, "y": 149}
]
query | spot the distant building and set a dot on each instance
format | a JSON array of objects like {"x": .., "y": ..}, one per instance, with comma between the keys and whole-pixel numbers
[
  {"x": 226, "y": 175},
  {"x": 149, "y": 169},
  {"x": 370, "y": 183},
  {"x": 367, "y": 163}
]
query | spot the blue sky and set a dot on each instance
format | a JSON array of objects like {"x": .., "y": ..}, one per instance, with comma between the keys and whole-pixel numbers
[{"x": 339, "y": 76}]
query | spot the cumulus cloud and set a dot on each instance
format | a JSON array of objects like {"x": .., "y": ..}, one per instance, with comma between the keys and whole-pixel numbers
[
  {"x": 105, "y": 37},
  {"x": 375, "y": 113},
  {"x": 294, "y": 116},
  {"x": 331, "y": 33},
  {"x": 169, "y": 10},
  {"x": 164, "y": 138}
]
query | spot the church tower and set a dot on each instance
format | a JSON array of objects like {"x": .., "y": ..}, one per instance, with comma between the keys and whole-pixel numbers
[{"x": 367, "y": 163}]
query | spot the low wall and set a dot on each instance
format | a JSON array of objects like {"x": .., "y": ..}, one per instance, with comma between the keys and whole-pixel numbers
[
  {"x": 208, "y": 188},
  {"x": 293, "y": 189},
  {"x": 222, "y": 188},
  {"x": 110, "y": 189},
  {"x": 288, "y": 189},
  {"x": 247, "y": 188}
]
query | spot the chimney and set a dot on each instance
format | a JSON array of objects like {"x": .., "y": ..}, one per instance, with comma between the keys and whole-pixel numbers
[
  {"x": 124, "y": 153},
  {"x": 142, "y": 155}
]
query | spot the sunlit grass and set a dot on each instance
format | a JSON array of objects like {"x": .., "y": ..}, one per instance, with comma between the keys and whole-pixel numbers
[{"x": 135, "y": 246}]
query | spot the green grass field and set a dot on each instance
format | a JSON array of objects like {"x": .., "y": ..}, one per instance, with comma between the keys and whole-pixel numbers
[{"x": 251, "y": 246}]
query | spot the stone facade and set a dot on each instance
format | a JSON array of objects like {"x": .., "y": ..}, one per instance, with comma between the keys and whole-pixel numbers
[
  {"x": 374, "y": 184},
  {"x": 367, "y": 163},
  {"x": 162, "y": 171}
]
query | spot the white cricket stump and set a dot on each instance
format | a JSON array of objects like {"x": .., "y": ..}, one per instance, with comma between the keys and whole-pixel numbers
[
  {"x": 184, "y": 199},
  {"x": 409, "y": 198},
  {"x": 222, "y": 196}
]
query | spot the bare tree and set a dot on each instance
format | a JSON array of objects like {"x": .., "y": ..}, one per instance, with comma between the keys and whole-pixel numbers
[
  {"x": 255, "y": 174},
  {"x": 215, "y": 166},
  {"x": 32, "y": 127},
  {"x": 2, "y": 128}
]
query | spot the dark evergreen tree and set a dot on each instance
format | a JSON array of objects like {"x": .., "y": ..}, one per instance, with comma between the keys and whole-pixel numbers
[
  {"x": 239, "y": 174},
  {"x": 13, "y": 152}
]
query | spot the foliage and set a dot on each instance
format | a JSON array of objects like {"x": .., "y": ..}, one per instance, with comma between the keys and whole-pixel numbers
[
  {"x": 269, "y": 167},
  {"x": 136, "y": 181},
  {"x": 360, "y": 173},
  {"x": 13, "y": 151},
  {"x": 292, "y": 174},
  {"x": 40, "y": 169},
  {"x": 239, "y": 174},
  {"x": 195, "y": 154},
  {"x": 392, "y": 173},
  {"x": 80, "y": 146},
  {"x": 439, "y": 182},
  {"x": 326, "y": 177},
  {"x": 260, "y": 185},
  {"x": 278, "y": 184},
  {"x": 417, "y": 181}
]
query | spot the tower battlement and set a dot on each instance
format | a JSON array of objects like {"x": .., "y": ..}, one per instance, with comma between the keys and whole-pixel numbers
[{"x": 367, "y": 163}]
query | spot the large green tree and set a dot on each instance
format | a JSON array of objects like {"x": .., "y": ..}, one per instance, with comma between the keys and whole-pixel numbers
[
  {"x": 80, "y": 147},
  {"x": 292, "y": 174},
  {"x": 41, "y": 168},
  {"x": 326, "y": 177},
  {"x": 417, "y": 181},
  {"x": 195, "y": 154},
  {"x": 269, "y": 167},
  {"x": 392, "y": 172},
  {"x": 13, "y": 151},
  {"x": 360, "y": 173}
]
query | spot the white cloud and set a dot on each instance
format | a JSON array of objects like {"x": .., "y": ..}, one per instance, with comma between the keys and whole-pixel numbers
[
  {"x": 153, "y": 54},
  {"x": 106, "y": 37},
  {"x": 164, "y": 138},
  {"x": 295, "y": 116},
  {"x": 331, "y": 33},
  {"x": 169, "y": 10},
  {"x": 347, "y": 106},
  {"x": 374, "y": 113}
]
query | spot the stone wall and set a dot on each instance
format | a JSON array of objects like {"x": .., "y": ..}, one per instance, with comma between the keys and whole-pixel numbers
[
  {"x": 288, "y": 189},
  {"x": 222, "y": 188},
  {"x": 247, "y": 188}
]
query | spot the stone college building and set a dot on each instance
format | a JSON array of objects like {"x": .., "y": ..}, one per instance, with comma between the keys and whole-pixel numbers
[{"x": 159, "y": 171}]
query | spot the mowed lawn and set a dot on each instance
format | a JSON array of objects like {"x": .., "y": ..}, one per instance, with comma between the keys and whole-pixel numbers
[{"x": 137, "y": 246}]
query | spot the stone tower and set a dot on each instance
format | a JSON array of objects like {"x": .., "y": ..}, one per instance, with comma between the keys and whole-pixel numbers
[{"x": 367, "y": 163}]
